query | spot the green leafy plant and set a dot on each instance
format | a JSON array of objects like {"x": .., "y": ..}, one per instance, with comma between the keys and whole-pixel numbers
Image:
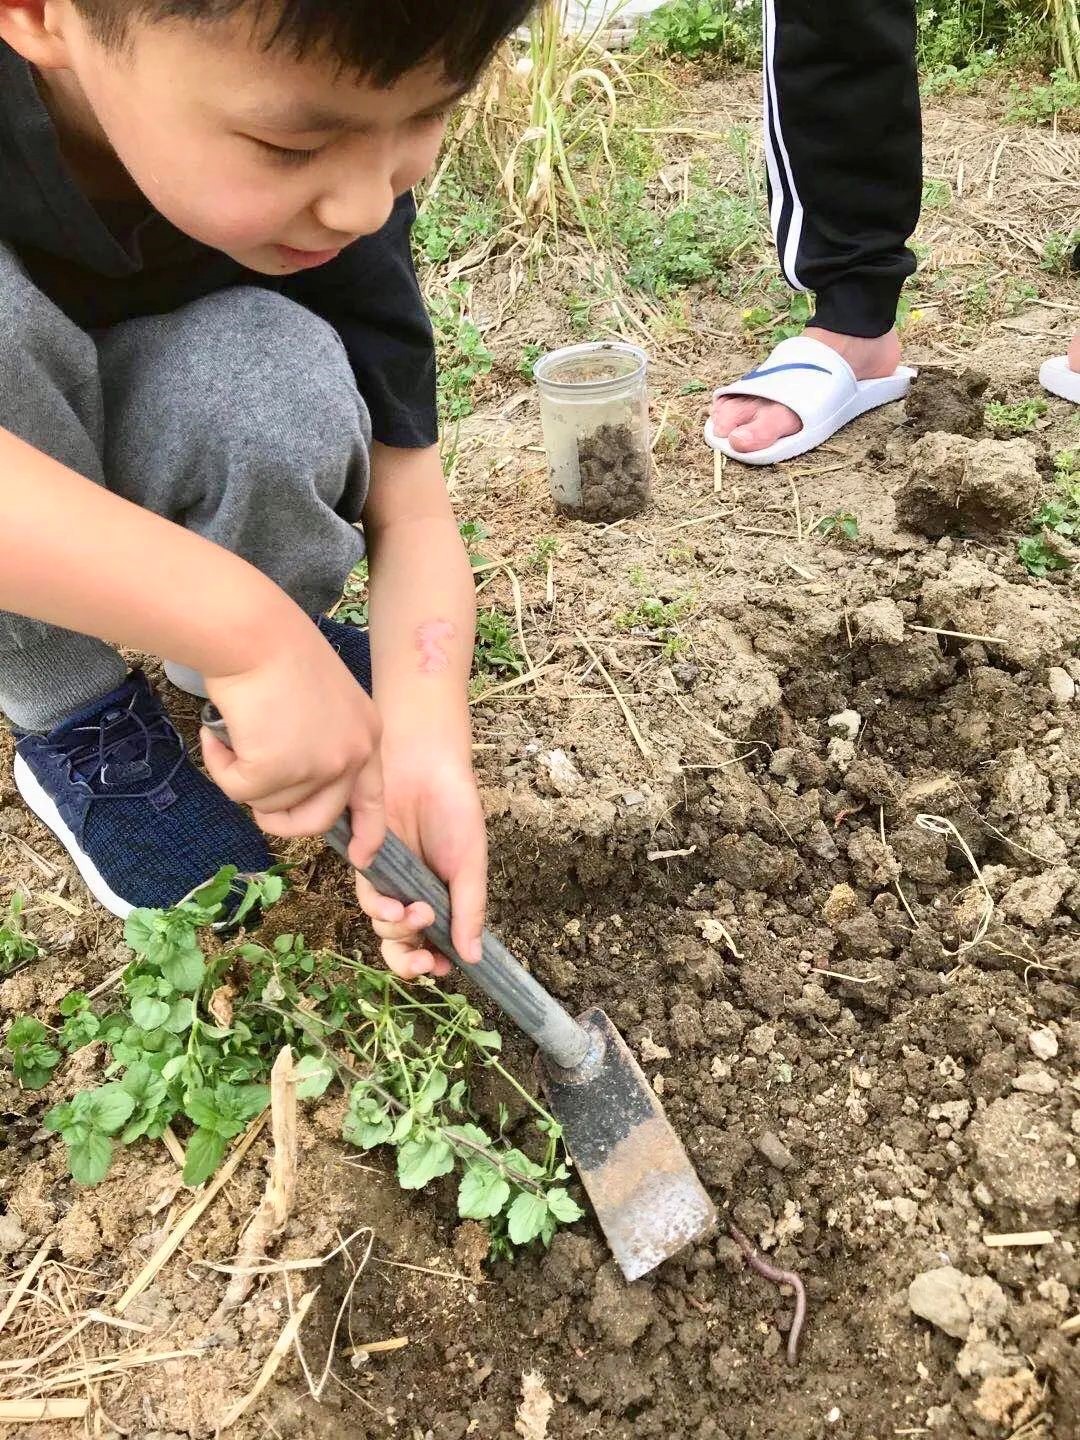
[
  {"x": 196, "y": 1031},
  {"x": 474, "y": 533},
  {"x": 353, "y": 609},
  {"x": 1056, "y": 520},
  {"x": 784, "y": 314},
  {"x": 496, "y": 652},
  {"x": 33, "y": 1055},
  {"x": 464, "y": 358},
  {"x": 695, "y": 242},
  {"x": 1016, "y": 419},
  {"x": 452, "y": 219},
  {"x": 529, "y": 356},
  {"x": 16, "y": 947},
  {"x": 695, "y": 29},
  {"x": 1044, "y": 104},
  {"x": 840, "y": 526},
  {"x": 659, "y": 619},
  {"x": 1059, "y": 250}
]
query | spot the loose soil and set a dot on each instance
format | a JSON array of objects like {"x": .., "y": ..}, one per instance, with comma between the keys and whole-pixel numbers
[{"x": 864, "y": 1025}]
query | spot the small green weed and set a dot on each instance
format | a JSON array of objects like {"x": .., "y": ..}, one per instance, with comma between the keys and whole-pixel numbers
[
  {"x": 1043, "y": 104},
  {"x": 937, "y": 194},
  {"x": 1016, "y": 419},
  {"x": 545, "y": 549},
  {"x": 353, "y": 609},
  {"x": 785, "y": 314},
  {"x": 463, "y": 356},
  {"x": 452, "y": 219},
  {"x": 495, "y": 652},
  {"x": 1019, "y": 294},
  {"x": 192, "y": 1040},
  {"x": 16, "y": 947},
  {"x": 1059, "y": 250},
  {"x": 659, "y": 619},
  {"x": 840, "y": 526},
  {"x": 529, "y": 356},
  {"x": 1059, "y": 516},
  {"x": 474, "y": 533}
]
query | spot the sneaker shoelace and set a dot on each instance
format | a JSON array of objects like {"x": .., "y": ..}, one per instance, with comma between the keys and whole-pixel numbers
[{"x": 117, "y": 750}]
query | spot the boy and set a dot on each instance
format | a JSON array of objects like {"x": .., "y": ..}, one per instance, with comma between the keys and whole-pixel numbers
[{"x": 214, "y": 360}]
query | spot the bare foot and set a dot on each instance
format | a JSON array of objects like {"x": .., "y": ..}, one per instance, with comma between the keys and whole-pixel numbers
[
  {"x": 756, "y": 424},
  {"x": 1074, "y": 354}
]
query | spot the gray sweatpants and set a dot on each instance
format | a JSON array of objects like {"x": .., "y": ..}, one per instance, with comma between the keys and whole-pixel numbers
[{"x": 236, "y": 416}]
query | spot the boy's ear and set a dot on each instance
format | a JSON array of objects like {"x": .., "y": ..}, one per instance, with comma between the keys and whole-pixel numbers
[{"x": 36, "y": 29}]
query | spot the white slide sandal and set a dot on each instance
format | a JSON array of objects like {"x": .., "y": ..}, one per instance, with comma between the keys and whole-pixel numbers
[
  {"x": 820, "y": 386},
  {"x": 1060, "y": 380}
]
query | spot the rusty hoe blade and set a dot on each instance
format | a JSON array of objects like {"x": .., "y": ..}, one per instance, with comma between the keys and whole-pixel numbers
[{"x": 646, "y": 1193}]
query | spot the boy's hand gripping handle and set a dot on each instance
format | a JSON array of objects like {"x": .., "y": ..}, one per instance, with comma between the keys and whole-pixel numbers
[{"x": 396, "y": 871}]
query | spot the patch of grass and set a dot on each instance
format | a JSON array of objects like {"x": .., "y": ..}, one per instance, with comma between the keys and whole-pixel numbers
[
  {"x": 195, "y": 1031},
  {"x": 840, "y": 526},
  {"x": 464, "y": 358},
  {"x": 1018, "y": 419},
  {"x": 1044, "y": 104},
  {"x": 693, "y": 243},
  {"x": 955, "y": 36},
  {"x": 452, "y": 219},
  {"x": 1058, "y": 517},
  {"x": 695, "y": 29},
  {"x": 16, "y": 947}
]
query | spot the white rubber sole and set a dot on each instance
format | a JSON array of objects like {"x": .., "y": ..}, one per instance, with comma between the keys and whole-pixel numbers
[
  {"x": 46, "y": 811},
  {"x": 1060, "y": 380},
  {"x": 186, "y": 679},
  {"x": 870, "y": 395}
]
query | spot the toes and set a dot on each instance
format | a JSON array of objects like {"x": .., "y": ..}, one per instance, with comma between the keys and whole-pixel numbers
[
  {"x": 772, "y": 423},
  {"x": 1074, "y": 354},
  {"x": 731, "y": 411}
]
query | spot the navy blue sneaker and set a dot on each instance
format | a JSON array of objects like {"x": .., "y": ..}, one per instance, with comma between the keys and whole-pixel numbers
[
  {"x": 349, "y": 642},
  {"x": 116, "y": 787}
]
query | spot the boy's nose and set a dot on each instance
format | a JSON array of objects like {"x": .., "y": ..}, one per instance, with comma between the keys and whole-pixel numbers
[{"x": 362, "y": 209}]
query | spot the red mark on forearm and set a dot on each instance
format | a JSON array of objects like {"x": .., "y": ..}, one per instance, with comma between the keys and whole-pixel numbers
[{"x": 431, "y": 639}]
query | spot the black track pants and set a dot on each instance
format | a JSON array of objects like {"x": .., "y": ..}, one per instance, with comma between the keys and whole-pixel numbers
[{"x": 843, "y": 137}]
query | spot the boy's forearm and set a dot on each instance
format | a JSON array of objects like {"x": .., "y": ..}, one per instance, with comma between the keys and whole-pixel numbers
[
  {"x": 74, "y": 555},
  {"x": 422, "y": 605}
]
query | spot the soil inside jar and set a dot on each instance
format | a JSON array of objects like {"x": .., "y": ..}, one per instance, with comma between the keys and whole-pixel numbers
[{"x": 615, "y": 474}]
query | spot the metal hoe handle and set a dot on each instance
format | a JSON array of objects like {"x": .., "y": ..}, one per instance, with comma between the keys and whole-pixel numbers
[{"x": 396, "y": 871}]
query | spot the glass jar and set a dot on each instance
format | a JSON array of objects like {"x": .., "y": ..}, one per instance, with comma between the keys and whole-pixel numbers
[{"x": 594, "y": 410}]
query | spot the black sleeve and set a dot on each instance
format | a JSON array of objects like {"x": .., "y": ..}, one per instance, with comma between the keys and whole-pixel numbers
[{"x": 371, "y": 296}]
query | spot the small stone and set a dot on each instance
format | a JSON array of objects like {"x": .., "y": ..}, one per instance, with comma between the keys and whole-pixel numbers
[
  {"x": 833, "y": 1416},
  {"x": 1055, "y": 1292},
  {"x": 1043, "y": 1043},
  {"x": 846, "y": 723},
  {"x": 881, "y": 621},
  {"x": 956, "y": 1112},
  {"x": 820, "y": 843},
  {"x": 773, "y": 1149},
  {"x": 561, "y": 774},
  {"x": 12, "y": 1235},
  {"x": 1062, "y": 685},
  {"x": 938, "y": 1296},
  {"x": 982, "y": 1357},
  {"x": 761, "y": 1040},
  {"x": 1034, "y": 900},
  {"x": 781, "y": 763},
  {"x": 841, "y": 753},
  {"x": 1035, "y": 1082},
  {"x": 905, "y": 1209},
  {"x": 842, "y": 904},
  {"x": 938, "y": 1416}
]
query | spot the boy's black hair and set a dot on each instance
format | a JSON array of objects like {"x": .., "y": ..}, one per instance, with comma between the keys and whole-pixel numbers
[{"x": 378, "y": 40}]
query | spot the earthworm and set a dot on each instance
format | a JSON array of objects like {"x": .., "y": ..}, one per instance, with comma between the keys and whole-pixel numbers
[{"x": 778, "y": 1277}]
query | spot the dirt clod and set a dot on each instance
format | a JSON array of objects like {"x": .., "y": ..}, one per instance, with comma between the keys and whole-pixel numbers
[
  {"x": 620, "y": 1313},
  {"x": 955, "y": 484},
  {"x": 941, "y": 399},
  {"x": 1024, "y": 1159}
]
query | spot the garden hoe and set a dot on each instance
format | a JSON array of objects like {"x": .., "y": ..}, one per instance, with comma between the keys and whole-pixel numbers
[{"x": 646, "y": 1193}]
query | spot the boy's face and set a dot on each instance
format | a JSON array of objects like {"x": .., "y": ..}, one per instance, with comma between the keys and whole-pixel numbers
[{"x": 277, "y": 162}]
